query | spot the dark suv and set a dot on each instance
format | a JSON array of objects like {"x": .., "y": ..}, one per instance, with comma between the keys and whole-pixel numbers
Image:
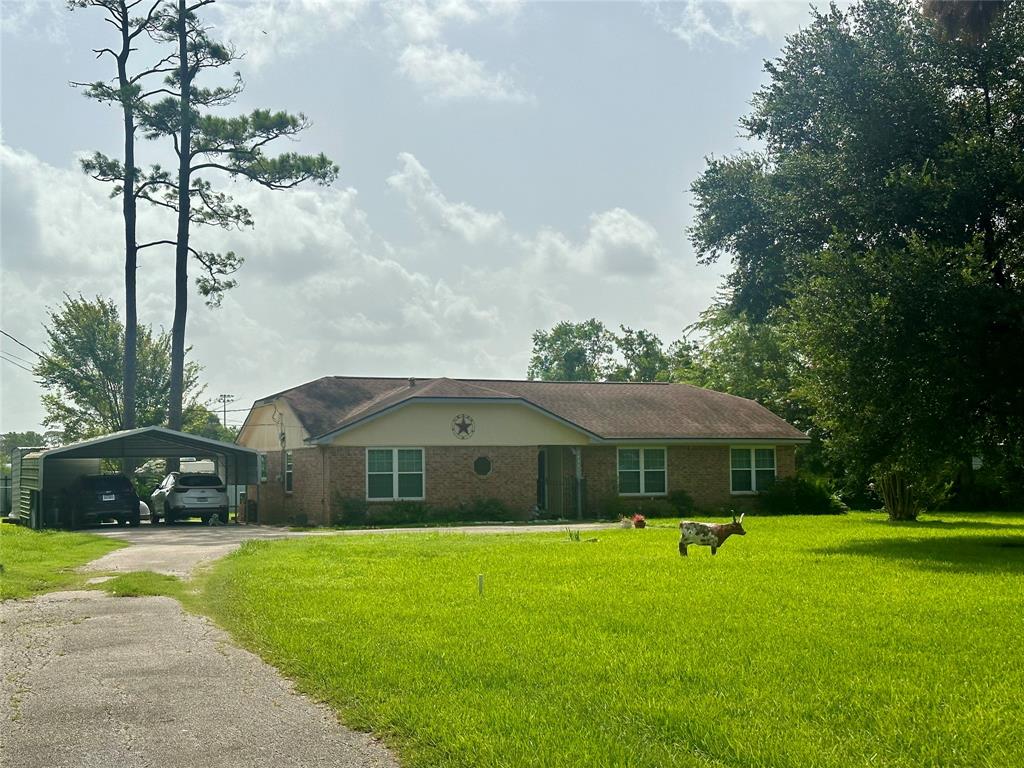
[{"x": 98, "y": 498}]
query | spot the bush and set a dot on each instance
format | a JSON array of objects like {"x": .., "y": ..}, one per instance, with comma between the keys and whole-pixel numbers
[
  {"x": 485, "y": 511},
  {"x": 348, "y": 511},
  {"x": 682, "y": 502},
  {"x": 656, "y": 508},
  {"x": 614, "y": 508},
  {"x": 799, "y": 496},
  {"x": 384, "y": 515}
]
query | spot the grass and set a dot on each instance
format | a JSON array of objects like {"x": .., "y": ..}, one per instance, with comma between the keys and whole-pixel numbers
[
  {"x": 840, "y": 641},
  {"x": 41, "y": 561},
  {"x": 144, "y": 584}
]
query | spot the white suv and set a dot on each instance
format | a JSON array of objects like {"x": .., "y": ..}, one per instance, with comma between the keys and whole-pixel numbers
[{"x": 189, "y": 494}]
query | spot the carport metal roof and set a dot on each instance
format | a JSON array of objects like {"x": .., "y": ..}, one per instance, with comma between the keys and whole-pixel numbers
[{"x": 162, "y": 443}]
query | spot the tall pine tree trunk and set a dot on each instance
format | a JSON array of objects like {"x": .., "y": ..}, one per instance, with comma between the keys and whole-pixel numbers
[
  {"x": 174, "y": 416},
  {"x": 128, "y": 205}
]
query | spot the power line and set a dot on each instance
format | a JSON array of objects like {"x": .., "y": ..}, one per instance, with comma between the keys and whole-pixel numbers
[
  {"x": 224, "y": 400},
  {"x": 22, "y": 359},
  {"x": 15, "y": 364},
  {"x": 20, "y": 342}
]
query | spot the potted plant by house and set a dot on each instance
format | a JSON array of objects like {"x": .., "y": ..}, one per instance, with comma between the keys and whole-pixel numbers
[
  {"x": 639, "y": 521},
  {"x": 626, "y": 521}
]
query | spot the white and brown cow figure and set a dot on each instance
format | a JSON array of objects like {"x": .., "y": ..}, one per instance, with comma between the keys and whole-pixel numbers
[{"x": 708, "y": 534}]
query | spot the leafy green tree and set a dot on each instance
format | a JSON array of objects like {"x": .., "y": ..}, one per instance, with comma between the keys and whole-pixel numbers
[
  {"x": 756, "y": 360},
  {"x": 81, "y": 371},
  {"x": 572, "y": 352},
  {"x": 643, "y": 356},
  {"x": 200, "y": 420},
  {"x": 894, "y": 369},
  {"x": 886, "y": 144},
  {"x": 235, "y": 146}
]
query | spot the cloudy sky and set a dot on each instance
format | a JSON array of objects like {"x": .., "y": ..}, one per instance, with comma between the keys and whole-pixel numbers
[{"x": 504, "y": 166}]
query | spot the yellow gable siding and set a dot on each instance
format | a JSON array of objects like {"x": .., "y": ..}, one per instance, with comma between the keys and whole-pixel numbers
[
  {"x": 263, "y": 424},
  {"x": 497, "y": 424}
]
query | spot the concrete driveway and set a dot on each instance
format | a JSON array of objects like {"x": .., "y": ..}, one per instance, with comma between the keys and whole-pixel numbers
[
  {"x": 177, "y": 549},
  {"x": 95, "y": 681}
]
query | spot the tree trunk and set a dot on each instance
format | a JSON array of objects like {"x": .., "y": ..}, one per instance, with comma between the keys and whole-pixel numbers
[
  {"x": 897, "y": 496},
  {"x": 131, "y": 320},
  {"x": 174, "y": 415}
]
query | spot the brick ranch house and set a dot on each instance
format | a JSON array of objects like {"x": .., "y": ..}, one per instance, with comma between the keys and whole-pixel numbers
[{"x": 566, "y": 448}]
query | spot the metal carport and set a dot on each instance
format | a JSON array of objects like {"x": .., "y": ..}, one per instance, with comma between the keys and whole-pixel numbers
[{"x": 32, "y": 503}]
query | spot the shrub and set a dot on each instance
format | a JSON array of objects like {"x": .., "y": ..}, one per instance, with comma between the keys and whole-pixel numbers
[
  {"x": 799, "y": 496},
  {"x": 656, "y": 508},
  {"x": 384, "y": 514},
  {"x": 487, "y": 511},
  {"x": 409, "y": 512},
  {"x": 348, "y": 510},
  {"x": 614, "y": 508},
  {"x": 682, "y": 502}
]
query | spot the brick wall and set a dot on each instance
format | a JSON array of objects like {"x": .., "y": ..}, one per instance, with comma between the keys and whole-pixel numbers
[
  {"x": 449, "y": 476},
  {"x": 277, "y": 507},
  {"x": 322, "y": 474},
  {"x": 700, "y": 470},
  {"x": 512, "y": 480}
]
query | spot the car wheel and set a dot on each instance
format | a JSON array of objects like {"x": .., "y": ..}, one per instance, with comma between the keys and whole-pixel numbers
[
  {"x": 134, "y": 522},
  {"x": 122, "y": 521},
  {"x": 167, "y": 514}
]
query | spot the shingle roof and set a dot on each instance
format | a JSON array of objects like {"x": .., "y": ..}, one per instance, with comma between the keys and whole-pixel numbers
[{"x": 609, "y": 410}]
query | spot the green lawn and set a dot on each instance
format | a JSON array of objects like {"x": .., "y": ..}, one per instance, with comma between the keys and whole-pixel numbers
[
  {"x": 842, "y": 641},
  {"x": 41, "y": 561}
]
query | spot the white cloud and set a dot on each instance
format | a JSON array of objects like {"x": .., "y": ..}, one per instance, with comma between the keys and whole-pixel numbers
[
  {"x": 268, "y": 29},
  {"x": 322, "y": 292},
  {"x": 731, "y": 21},
  {"x": 434, "y": 212},
  {"x": 618, "y": 244},
  {"x": 35, "y": 19},
  {"x": 410, "y": 31},
  {"x": 445, "y": 74}
]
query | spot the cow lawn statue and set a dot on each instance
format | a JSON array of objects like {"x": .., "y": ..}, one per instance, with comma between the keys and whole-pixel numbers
[{"x": 708, "y": 534}]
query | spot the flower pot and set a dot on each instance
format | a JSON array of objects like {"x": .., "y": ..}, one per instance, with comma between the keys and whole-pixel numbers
[{"x": 640, "y": 524}]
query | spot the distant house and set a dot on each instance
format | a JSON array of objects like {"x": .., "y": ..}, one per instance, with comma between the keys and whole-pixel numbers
[{"x": 565, "y": 448}]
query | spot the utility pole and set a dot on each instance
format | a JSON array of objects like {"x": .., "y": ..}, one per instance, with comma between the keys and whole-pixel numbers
[{"x": 224, "y": 400}]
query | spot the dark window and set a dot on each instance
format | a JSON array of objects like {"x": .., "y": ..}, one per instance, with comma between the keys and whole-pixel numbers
[
  {"x": 199, "y": 481},
  {"x": 108, "y": 483},
  {"x": 482, "y": 466}
]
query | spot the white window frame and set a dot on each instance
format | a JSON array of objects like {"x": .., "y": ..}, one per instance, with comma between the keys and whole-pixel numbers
[
  {"x": 288, "y": 472},
  {"x": 754, "y": 490},
  {"x": 395, "y": 473},
  {"x": 641, "y": 448}
]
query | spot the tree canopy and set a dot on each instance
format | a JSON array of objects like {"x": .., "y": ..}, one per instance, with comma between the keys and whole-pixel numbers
[
  {"x": 81, "y": 371},
  {"x": 889, "y": 175}
]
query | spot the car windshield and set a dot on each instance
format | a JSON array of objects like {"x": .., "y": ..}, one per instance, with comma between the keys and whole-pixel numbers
[
  {"x": 108, "y": 483},
  {"x": 199, "y": 481}
]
